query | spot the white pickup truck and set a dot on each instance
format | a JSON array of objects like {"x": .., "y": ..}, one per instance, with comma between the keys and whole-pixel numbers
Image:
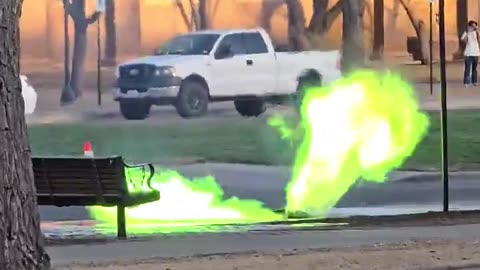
[{"x": 192, "y": 70}]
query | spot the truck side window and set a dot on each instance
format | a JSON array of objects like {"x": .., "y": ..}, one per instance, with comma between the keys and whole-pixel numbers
[
  {"x": 235, "y": 41},
  {"x": 255, "y": 43}
]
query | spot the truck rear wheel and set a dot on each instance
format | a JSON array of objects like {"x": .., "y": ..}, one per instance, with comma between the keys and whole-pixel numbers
[
  {"x": 310, "y": 79},
  {"x": 135, "y": 110},
  {"x": 192, "y": 101},
  {"x": 250, "y": 108}
]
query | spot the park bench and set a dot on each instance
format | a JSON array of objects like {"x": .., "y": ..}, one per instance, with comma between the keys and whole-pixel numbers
[{"x": 68, "y": 181}]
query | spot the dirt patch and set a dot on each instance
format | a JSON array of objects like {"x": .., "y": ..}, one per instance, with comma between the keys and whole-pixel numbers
[{"x": 409, "y": 255}]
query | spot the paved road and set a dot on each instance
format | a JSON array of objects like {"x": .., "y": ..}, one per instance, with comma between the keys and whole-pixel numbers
[
  {"x": 206, "y": 244},
  {"x": 404, "y": 193},
  {"x": 85, "y": 109}
]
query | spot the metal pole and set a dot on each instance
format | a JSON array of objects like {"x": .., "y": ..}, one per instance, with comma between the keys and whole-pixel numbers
[
  {"x": 99, "y": 69},
  {"x": 431, "y": 46},
  {"x": 443, "y": 78}
]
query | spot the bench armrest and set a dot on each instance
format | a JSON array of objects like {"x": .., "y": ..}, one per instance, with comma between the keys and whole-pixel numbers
[{"x": 143, "y": 165}]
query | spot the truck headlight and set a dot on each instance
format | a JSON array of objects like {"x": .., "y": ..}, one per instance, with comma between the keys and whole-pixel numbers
[{"x": 165, "y": 71}]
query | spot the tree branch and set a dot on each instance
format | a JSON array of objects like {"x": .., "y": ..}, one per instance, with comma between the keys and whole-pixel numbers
[
  {"x": 92, "y": 18},
  {"x": 194, "y": 13},
  {"x": 410, "y": 13},
  {"x": 322, "y": 19},
  {"x": 184, "y": 15},
  {"x": 332, "y": 14},
  {"x": 268, "y": 9}
]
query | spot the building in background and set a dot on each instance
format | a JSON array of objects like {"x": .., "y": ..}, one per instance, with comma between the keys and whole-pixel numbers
[{"x": 143, "y": 25}]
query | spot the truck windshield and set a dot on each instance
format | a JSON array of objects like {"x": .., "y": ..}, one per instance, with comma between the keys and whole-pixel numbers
[{"x": 195, "y": 44}]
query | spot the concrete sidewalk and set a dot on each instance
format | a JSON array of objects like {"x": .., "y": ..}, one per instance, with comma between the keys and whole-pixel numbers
[{"x": 261, "y": 241}]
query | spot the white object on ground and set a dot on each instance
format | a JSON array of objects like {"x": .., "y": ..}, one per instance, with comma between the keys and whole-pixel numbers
[{"x": 29, "y": 95}]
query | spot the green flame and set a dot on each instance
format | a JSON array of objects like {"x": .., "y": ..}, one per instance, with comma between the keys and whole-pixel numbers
[
  {"x": 184, "y": 203},
  {"x": 361, "y": 126}
]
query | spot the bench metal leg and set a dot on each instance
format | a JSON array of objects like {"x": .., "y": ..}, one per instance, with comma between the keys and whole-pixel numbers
[{"x": 121, "y": 224}]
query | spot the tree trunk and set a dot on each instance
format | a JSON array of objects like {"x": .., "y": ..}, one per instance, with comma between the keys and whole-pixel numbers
[
  {"x": 203, "y": 15},
  {"x": 21, "y": 240},
  {"x": 78, "y": 58},
  {"x": 420, "y": 29},
  {"x": 110, "y": 35},
  {"x": 353, "y": 51},
  {"x": 462, "y": 20},
  {"x": 76, "y": 10},
  {"x": 378, "y": 29},
  {"x": 296, "y": 26}
]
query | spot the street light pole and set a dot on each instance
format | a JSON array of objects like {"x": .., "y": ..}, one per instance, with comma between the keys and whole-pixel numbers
[
  {"x": 100, "y": 8},
  {"x": 430, "y": 4},
  {"x": 99, "y": 68},
  {"x": 443, "y": 82}
]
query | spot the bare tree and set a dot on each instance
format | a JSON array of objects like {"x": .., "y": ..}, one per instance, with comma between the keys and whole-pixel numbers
[
  {"x": 394, "y": 11},
  {"x": 296, "y": 25},
  {"x": 110, "y": 58},
  {"x": 267, "y": 10},
  {"x": 50, "y": 38},
  {"x": 186, "y": 19},
  {"x": 353, "y": 49},
  {"x": 319, "y": 24},
  {"x": 379, "y": 29},
  {"x": 22, "y": 244},
  {"x": 203, "y": 22},
  {"x": 323, "y": 17},
  {"x": 462, "y": 20},
  {"x": 76, "y": 10},
  {"x": 420, "y": 27},
  {"x": 199, "y": 19}
]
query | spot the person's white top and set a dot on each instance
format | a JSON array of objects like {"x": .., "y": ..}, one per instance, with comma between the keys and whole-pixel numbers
[{"x": 472, "y": 48}]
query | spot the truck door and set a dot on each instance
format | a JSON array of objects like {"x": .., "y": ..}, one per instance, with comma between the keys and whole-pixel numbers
[
  {"x": 261, "y": 65},
  {"x": 228, "y": 73}
]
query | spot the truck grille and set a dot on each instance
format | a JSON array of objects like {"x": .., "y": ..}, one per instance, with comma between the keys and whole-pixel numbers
[{"x": 136, "y": 72}]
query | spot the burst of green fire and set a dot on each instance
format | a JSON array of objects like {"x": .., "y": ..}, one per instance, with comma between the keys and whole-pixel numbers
[
  {"x": 185, "y": 203},
  {"x": 361, "y": 126}
]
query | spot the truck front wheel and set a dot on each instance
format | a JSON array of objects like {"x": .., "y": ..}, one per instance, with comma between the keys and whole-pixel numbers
[
  {"x": 135, "y": 110},
  {"x": 250, "y": 108},
  {"x": 192, "y": 101}
]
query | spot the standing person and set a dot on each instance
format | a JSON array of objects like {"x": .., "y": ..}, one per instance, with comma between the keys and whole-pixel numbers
[{"x": 471, "y": 38}]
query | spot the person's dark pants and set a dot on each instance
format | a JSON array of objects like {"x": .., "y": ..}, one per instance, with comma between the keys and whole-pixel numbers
[{"x": 470, "y": 75}]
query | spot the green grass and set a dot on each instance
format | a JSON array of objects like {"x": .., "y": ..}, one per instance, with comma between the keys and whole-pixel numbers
[{"x": 239, "y": 141}]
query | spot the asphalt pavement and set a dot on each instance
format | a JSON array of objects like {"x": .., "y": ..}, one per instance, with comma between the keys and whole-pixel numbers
[{"x": 264, "y": 242}]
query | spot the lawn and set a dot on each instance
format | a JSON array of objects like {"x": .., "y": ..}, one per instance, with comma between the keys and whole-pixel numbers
[{"x": 243, "y": 141}]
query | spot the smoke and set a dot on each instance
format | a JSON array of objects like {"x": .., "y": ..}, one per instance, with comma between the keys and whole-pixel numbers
[{"x": 362, "y": 126}]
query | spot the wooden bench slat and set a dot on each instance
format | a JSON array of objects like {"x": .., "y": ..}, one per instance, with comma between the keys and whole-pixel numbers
[{"x": 67, "y": 190}]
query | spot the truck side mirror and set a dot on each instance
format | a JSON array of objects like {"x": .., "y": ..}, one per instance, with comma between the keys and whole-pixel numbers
[{"x": 224, "y": 51}]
